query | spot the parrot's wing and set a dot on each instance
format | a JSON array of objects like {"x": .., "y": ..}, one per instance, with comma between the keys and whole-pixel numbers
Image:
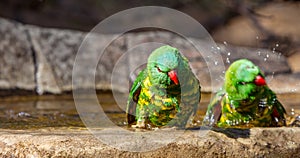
[
  {"x": 278, "y": 113},
  {"x": 196, "y": 95},
  {"x": 134, "y": 97},
  {"x": 214, "y": 109}
]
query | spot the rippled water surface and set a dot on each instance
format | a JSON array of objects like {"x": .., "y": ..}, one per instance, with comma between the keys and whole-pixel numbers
[{"x": 33, "y": 112}]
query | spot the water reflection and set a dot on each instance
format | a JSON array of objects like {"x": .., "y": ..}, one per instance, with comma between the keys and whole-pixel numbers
[{"x": 34, "y": 112}]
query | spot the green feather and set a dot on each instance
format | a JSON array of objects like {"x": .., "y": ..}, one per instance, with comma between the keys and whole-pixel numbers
[
  {"x": 242, "y": 102},
  {"x": 156, "y": 99}
]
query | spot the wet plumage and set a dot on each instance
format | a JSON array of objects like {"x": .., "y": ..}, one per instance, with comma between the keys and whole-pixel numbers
[
  {"x": 245, "y": 100},
  {"x": 166, "y": 92}
]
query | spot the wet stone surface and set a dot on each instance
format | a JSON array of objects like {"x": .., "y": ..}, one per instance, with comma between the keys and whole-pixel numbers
[
  {"x": 257, "y": 142},
  {"x": 50, "y": 126}
]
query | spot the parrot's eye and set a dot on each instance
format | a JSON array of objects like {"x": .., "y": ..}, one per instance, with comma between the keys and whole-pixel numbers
[
  {"x": 242, "y": 83},
  {"x": 158, "y": 69}
]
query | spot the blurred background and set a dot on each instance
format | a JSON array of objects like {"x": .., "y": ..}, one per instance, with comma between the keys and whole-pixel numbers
[
  {"x": 235, "y": 21},
  {"x": 84, "y": 15}
]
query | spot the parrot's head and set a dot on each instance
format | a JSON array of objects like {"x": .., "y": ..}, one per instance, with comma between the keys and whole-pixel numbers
[
  {"x": 244, "y": 81},
  {"x": 163, "y": 66}
]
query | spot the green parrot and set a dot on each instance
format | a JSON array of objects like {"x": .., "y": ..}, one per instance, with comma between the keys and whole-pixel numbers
[
  {"x": 165, "y": 93},
  {"x": 245, "y": 100}
]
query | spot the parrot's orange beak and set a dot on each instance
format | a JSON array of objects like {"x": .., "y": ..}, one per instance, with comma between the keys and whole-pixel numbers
[
  {"x": 260, "y": 81},
  {"x": 173, "y": 76}
]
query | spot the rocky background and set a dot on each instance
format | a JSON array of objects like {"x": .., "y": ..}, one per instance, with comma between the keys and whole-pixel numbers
[{"x": 39, "y": 59}]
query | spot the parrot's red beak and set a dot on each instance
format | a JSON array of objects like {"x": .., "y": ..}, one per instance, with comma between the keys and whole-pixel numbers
[
  {"x": 260, "y": 81},
  {"x": 173, "y": 76}
]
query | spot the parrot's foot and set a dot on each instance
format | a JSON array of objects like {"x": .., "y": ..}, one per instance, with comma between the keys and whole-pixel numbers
[
  {"x": 171, "y": 128},
  {"x": 294, "y": 121},
  {"x": 139, "y": 124}
]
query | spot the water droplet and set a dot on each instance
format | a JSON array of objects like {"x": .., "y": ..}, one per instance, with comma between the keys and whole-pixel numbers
[
  {"x": 218, "y": 48},
  {"x": 23, "y": 114},
  {"x": 225, "y": 43},
  {"x": 257, "y": 37},
  {"x": 292, "y": 111},
  {"x": 265, "y": 59},
  {"x": 267, "y": 55},
  {"x": 258, "y": 53},
  {"x": 279, "y": 55},
  {"x": 222, "y": 77},
  {"x": 270, "y": 78},
  {"x": 228, "y": 54},
  {"x": 216, "y": 62},
  {"x": 227, "y": 60},
  {"x": 277, "y": 45}
]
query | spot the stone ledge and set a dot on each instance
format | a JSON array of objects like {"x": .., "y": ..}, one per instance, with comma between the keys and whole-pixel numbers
[{"x": 256, "y": 142}]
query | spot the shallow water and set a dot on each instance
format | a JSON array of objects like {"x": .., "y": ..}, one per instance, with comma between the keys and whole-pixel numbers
[{"x": 35, "y": 112}]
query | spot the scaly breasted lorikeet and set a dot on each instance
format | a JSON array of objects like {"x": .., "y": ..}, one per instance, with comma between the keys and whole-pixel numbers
[
  {"x": 245, "y": 100},
  {"x": 166, "y": 92}
]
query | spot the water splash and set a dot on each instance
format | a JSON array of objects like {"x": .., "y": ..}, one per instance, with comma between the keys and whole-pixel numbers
[
  {"x": 270, "y": 78},
  {"x": 266, "y": 57},
  {"x": 227, "y": 61},
  {"x": 279, "y": 55},
  {"x": 258, "y": 53},
  {"x": 222, "y": 77},
  {"x": 216, "y": 63},
  {"x": 295, "y": 89},
  {"x": 23, "y": 114},
  {"x": 292, "y": 111}
]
